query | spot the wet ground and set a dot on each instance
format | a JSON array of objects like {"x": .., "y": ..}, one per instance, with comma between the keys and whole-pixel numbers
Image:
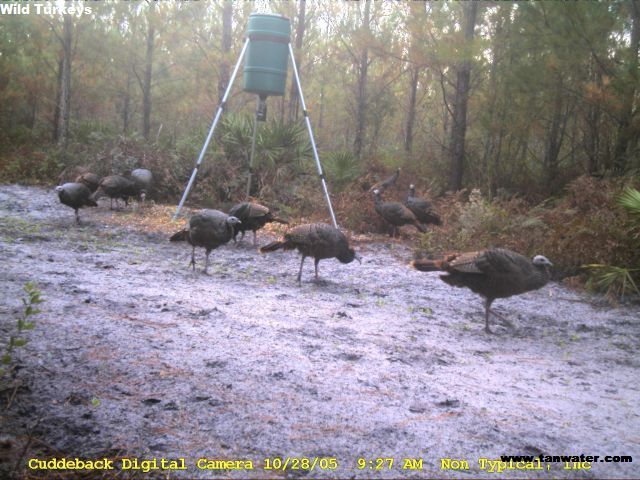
[{"x": 136, "y": 356}]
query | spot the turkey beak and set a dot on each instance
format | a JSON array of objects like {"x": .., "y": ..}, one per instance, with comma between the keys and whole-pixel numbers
[{"x": 359, "y": 258}]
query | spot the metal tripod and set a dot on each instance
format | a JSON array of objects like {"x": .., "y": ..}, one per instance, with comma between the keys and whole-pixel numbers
[{"x": 217, "y": 118}]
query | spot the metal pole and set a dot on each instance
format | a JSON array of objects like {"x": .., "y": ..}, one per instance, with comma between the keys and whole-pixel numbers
[
  {"x": 213, "y": 127},
  {"x": 253, "y": 150},
  {"x": 313, "y": 142}
]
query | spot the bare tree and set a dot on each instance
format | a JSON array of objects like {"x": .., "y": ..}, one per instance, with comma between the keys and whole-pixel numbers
[
  {"x": 56, "y": 111},
  {"x": 223, "y": 78},
  {"x": 460, "y": 101},
  {"x": 555, "y": 133},
  {"x": 126, "y": 103},
  {"x": 146, "y": 83},
  {"x": 361, "y": 99},
  {"x": 627, "y": 135},
  {"x": 62, "y": 131},
  {"x": 294, "y": 101},
  {"x": 411, "y": 111}
]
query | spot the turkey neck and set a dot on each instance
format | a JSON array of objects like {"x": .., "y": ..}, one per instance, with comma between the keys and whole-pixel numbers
[
  {"x": 229, "y": 229},
  {"x": 539, "y": 278}
]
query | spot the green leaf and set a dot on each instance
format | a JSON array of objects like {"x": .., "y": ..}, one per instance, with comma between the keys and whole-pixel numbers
[
  {"x": 6, "y": 359},
  {"x": 613, "y": 280},
  {"x": 630, "y": 199},
  {"x": 95, "y": 402},
  {"x": 20, "y": 342}
]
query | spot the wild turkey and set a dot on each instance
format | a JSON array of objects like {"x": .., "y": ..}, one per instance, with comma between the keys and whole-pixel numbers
[
  {"x": 317, "y": 240},
  {"x": 494, "y": 273},
  {"x": 116, "y": 186},
  {"x": 70, "y": 174},
  {"x": 208, "y": 229},
  {"x": 396, "y": 214},
  {"x": 143, "y": 179},
  {"x": 91, "y": 180},
  {"x": 75, "y": 195},
  {"x": 383, "y": 185},
  {"x": 252, "y": 216},
  {"x": 421, "y": 208}
]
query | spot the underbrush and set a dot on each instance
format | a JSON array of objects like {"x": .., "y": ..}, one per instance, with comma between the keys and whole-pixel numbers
[
  {"x": 584, "y": 226},
  {"x": 587, "y": 225}
]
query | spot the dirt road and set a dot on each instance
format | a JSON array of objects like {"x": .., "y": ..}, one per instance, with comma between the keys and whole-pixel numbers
[{"x": 134, "y": 355}]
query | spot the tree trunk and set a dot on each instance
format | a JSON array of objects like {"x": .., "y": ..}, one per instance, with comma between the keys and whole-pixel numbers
[
  {"x": 626, "y": 131},
  {"x": 56, "y": 110},
  {"x": 555, "y": 135},
  {"x": 65, "y": 83},
  {"x": 146, "y": 86},
  {"x": 411, "y": 111},
  {"x": 591, "y": 135},
  {"x": 126, "y": 104},
  {"x": 223, "y": 77},
  {"x": 294, "y": 100},
  {"x": 321, "y": 113},
  {"x": 362, "y": 86},
  {"x": 459, "y": 127},
  {"x": 496, "y": 109}
]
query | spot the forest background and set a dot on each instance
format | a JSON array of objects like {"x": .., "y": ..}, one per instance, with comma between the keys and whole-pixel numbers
[{"x": 518, "y": 120}]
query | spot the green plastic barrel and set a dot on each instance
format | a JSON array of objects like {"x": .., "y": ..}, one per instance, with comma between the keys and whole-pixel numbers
[{"x": 267, "y": 56}]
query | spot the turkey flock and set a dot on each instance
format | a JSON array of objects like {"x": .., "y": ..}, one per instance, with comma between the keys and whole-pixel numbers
[
  {"x": 88, "y": 187},
  {"x": 492, "y": 273}
]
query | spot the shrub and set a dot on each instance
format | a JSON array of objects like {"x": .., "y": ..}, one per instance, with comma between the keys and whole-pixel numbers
[
  {"x": 617, "y": 281},
  {"x": 583, "y": 227},
  {"x": 341, "y": 169},
  {"x": 23, "y": 323}
]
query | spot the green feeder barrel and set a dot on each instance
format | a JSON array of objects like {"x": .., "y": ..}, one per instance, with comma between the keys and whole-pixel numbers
[{"x": 267, "y": 56}]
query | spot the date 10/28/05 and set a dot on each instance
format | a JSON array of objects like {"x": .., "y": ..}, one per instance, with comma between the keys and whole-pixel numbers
[{"x": 331, "y": 463}]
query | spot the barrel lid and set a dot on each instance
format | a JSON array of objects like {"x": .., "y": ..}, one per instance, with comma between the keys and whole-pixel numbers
[
  {"x": 275, "y": 15},
  {"x": 268, "y": 27}
]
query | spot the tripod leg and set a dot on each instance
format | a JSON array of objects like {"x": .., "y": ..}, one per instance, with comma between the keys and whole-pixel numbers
[
  {"x": 213, "y": 127},
  {"x": 313, "y": 142}
]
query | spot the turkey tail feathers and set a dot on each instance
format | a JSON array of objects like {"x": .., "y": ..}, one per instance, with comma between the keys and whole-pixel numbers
[
  {"x": 272, "y": 247},
  {"x": 426, "y": 265},
  {"x": 181, "y": 236}
]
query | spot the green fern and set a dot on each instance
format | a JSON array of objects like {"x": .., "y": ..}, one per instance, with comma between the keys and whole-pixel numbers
[
  {"x": 614, "y": 281},
  {"x": 617, "y": 281},
  {"x": 342, "y": 168},
  {"x": 630, "y": 199}
]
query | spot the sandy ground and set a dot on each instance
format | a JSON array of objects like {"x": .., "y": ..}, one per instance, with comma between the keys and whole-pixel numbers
[{"x": 136, "y": 356}]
